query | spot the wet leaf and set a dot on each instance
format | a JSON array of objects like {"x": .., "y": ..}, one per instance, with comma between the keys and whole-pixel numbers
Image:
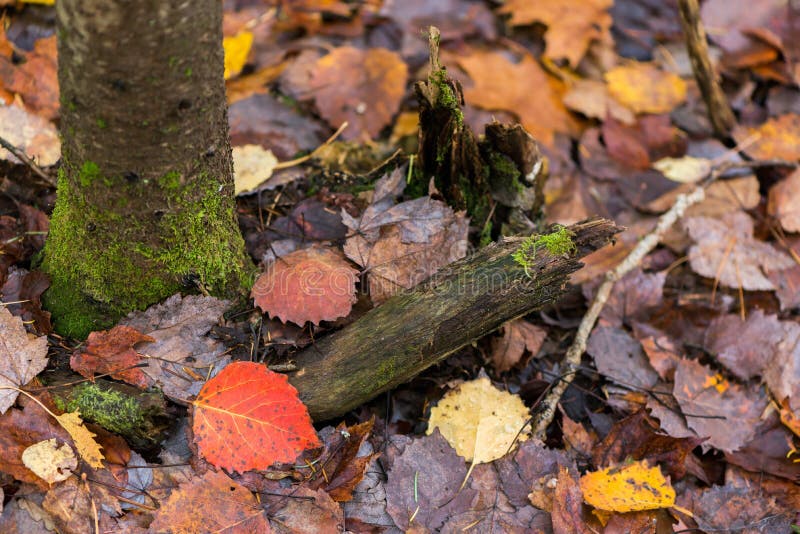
[
  {"x": 248, "y": 417},
  {"x": 630, "y": 488}
]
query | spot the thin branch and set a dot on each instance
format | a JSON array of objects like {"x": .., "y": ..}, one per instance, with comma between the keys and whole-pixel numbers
[{"x": 48, "y": 180}]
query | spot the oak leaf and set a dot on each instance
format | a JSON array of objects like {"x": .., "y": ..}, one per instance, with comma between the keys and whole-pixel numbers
[
  {"x": 112, "y": 352},
  {"x": 362, "y": 88},
  {"x": 630, "y": 488},
  {"x": 571, "y": 25},
  {"x": 21, "y": 358},
  {"x": 314, "y": 284},
  {"x": 248, "y": 417},
  {"x": 481, "y": 422}
]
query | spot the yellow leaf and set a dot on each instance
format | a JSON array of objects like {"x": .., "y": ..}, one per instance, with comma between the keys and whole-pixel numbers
[
  {"x": 83, "y": 438},
  {"x": 480, "y": 421},
  {"x": 685, "y": 170},
  {"x": 631, "y": 488},
  {"x": 252, "y": 165},
  {"x": 41, "y": 2},
  {"x": 237, "y": 48},
  {"x": 49, "y": 461},
  {"x": 644, "y": 88}
]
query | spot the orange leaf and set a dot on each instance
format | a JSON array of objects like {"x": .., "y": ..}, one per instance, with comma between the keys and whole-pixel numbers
[
  {"x": 645, "y": 88},
  {"x": 627, "y": 489},
  {"x": 313, "y": 284},
  {"x": 112, "y": 352},
  {"x": 248, "y": 417},
  {"x": 777, "y": 138}
]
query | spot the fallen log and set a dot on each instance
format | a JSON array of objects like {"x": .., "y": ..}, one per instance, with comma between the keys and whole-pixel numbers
[{"x": 410, "y": 332}]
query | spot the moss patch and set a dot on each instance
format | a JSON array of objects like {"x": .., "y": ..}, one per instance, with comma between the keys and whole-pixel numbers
[
  {"x": 111, "y": 410},
  {"x": 557, "y": 243}
]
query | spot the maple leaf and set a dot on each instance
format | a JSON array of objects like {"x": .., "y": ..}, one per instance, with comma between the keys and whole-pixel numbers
[
  {"x": 211, "y": 503},
  {"x": 626, "y": 489},
  {"x": 571, "y": 24},
  {"x": 248, "y": 417},
  {"x": 112, "y": 352},
  {"x": 314, "y": 284},
  {"x": 21, "y": 358},
  {"x": 481, "y": 422},
  {"x": 362, "y": 88}
]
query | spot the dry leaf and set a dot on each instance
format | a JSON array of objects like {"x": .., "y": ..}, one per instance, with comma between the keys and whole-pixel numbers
[
  {"x": 778, "y": 138},
  {"x": 480, "y": 421},
  {"x": 237, "y": 48},
  {"x": 21, "y": 357},
  {"x": 571, "y": 24},
  {"x": 49, "y": 461},
  {"x": 591, "y": 97},
  {"x": 32, "y": 134},
  {"x": 518, "y": 335},
  {"x": 313, "y": 284},
  {"x": 685, "y": 170},
  {"x": 630, "y": 488},
  {"x": 252, "y": 166},
  {"x": 784, "y": 202},
  {"x": 83, "y": 438},
  {"x": 645, "y": 88}
]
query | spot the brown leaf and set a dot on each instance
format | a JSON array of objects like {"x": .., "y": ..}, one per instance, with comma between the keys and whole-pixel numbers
[
  {"x": 212, "y": 502},
  {"x": 36, "y": 79},
  {"x": 314, "y": 284},
  {"x": 777, "y": 138},
  {"x": 726, "y": 413},
  {"x": 568, "y": 504},
  {"x": 619, "y": 357},
  {"x": 745, "y": 348},
  {"x": 344, "y": 467},
  {"x": 522, "y": 88},
  {"x": 782, "y": 374},
  {"x": 571, "y": 25},
  {"x": 591, "y": 97},
  {"x": 22, "y": 292},
  {"x": 181, "y": 357},
  {"x": 787, "y": 286},
  {"x": 784, "y": 202},
  {"x": 21, "y": 357},
  {"x": 362, "y": 88},
  {"x": 34, "y": 135},
  {"x": 112, "y": 352},
  {"x": 634, "y": 295},
  {"x": 518, "y": 335},
  {"x": 71, "y": 505},
  {"x": 725, "y": 249}
]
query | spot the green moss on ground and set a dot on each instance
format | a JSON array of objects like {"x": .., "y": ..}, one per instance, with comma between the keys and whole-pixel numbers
[{"x": 110, "y": 409}]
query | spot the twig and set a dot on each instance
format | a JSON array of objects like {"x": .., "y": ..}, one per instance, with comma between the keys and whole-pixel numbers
[
  {"x": 576, "y": 350},
  {"x": 27, "y": 161},
  {"x": 719, "y": 112}
]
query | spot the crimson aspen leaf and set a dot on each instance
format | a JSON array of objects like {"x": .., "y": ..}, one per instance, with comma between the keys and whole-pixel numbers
[
  {"x": 313, "y": 284},
  {"x": 248, "y": 417}
]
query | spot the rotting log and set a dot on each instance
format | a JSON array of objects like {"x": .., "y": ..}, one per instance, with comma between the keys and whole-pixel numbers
[{"x": 410, "y": 332}]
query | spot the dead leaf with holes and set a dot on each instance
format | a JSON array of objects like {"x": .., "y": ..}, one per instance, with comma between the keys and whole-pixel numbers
[
  {"x": 644, "y": 88},
  {"x": 21, "y": 357},
  {"x": 726, "y": 250},
  {"x": 572, "y": 25},
  {"x": 631, "y": 488},
  {"x": 49, "y": 461},
  {"x": 481, "y": 422}
]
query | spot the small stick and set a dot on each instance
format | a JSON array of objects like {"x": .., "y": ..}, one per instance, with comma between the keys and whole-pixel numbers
[
  {"x": 719, "y": 112},
  {"x": 27, "y": 161}
]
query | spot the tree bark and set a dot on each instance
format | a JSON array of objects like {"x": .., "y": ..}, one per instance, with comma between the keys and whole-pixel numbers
[
  {"x": 145, "y": 194},
  {"x": 410, "y": 332}
]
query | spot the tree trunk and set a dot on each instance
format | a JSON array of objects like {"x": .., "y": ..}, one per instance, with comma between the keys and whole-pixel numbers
[
  {"x": 145, "y": 202},
  {"x": 410, "y": 332}
]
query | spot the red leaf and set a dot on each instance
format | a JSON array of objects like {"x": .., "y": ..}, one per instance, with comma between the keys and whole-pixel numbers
[
  {"x": 313, "y": 284},
  {"x": 112, "y": 352},
  {"x": 248, "y": 417}
]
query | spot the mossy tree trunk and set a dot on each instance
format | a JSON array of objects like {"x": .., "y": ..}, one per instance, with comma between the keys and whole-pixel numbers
[{"x": 145, "y": 192}]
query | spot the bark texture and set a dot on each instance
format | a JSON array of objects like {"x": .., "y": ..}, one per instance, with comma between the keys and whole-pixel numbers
[
  {"x": 145, "y": 195},
  {"x": 410, "y": 332}
]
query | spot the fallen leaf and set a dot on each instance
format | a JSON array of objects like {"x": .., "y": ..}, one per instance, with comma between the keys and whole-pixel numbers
[
  {"x": 481, "y": 422},
  {"x": 725, "y": 249},
  {"x": 21, "y": 357},
  {"x": 591, "y": 97},
  {"x": 726, "y": 413},
  {"x": 685, "y": 170},
  {"x": 784, "y": 202},
  {"x": 619, "y": 357},
  {"x": 635, "y": 295},
  {"x": 35, "y": 79},
  {"x": 79, "y": 514},
  {"x": 49, "y": 461},
  {"x": 731, "y": 508},
  {"x": 211, "y": 503},
  {"x": 344, "y": 461},
  {"x": 572, "y": 25},
  {"x": 782, "y": 375},
  {"x": 644, "y": 88},
  {"x": 181, "y": 357},
  {"x": 629, "y": 488},
  {"x": 308, "y": 511},
  {"x": 22, "y": 293},
  {"x": 522, "y": 88},
  {"x": 248, "y": 417},
  {"x": 237, "y": 48},
  {"x": 787, "y": 286},
  {"x": 518, "y": 336},
  {"x": 83, "y": 438},
  {"x": 567, "y": 511},
  {"x": 34, "y": 135},
  {"x": 777, "y": 138},
  {"x": 252, "y": 166},
  {"x": 362, "y": 88},
  {"x": 112, "y": 352},
  {"x": 725, "y": 196},
  {"x": 744, "y": 348},
  {"x": 314, "y": 284}
]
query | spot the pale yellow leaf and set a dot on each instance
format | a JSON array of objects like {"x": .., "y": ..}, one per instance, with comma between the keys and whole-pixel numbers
[
  {"x": 252, "y": 165},
  {"x": 630, "y": 488},
  {"x": 49, "y": 461},
  {"x": 83, "y": 438},
  {"x": 237, "y": 48},
  {"x": 480, "y": 421},
  {"x": 685, "y": 170}
]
